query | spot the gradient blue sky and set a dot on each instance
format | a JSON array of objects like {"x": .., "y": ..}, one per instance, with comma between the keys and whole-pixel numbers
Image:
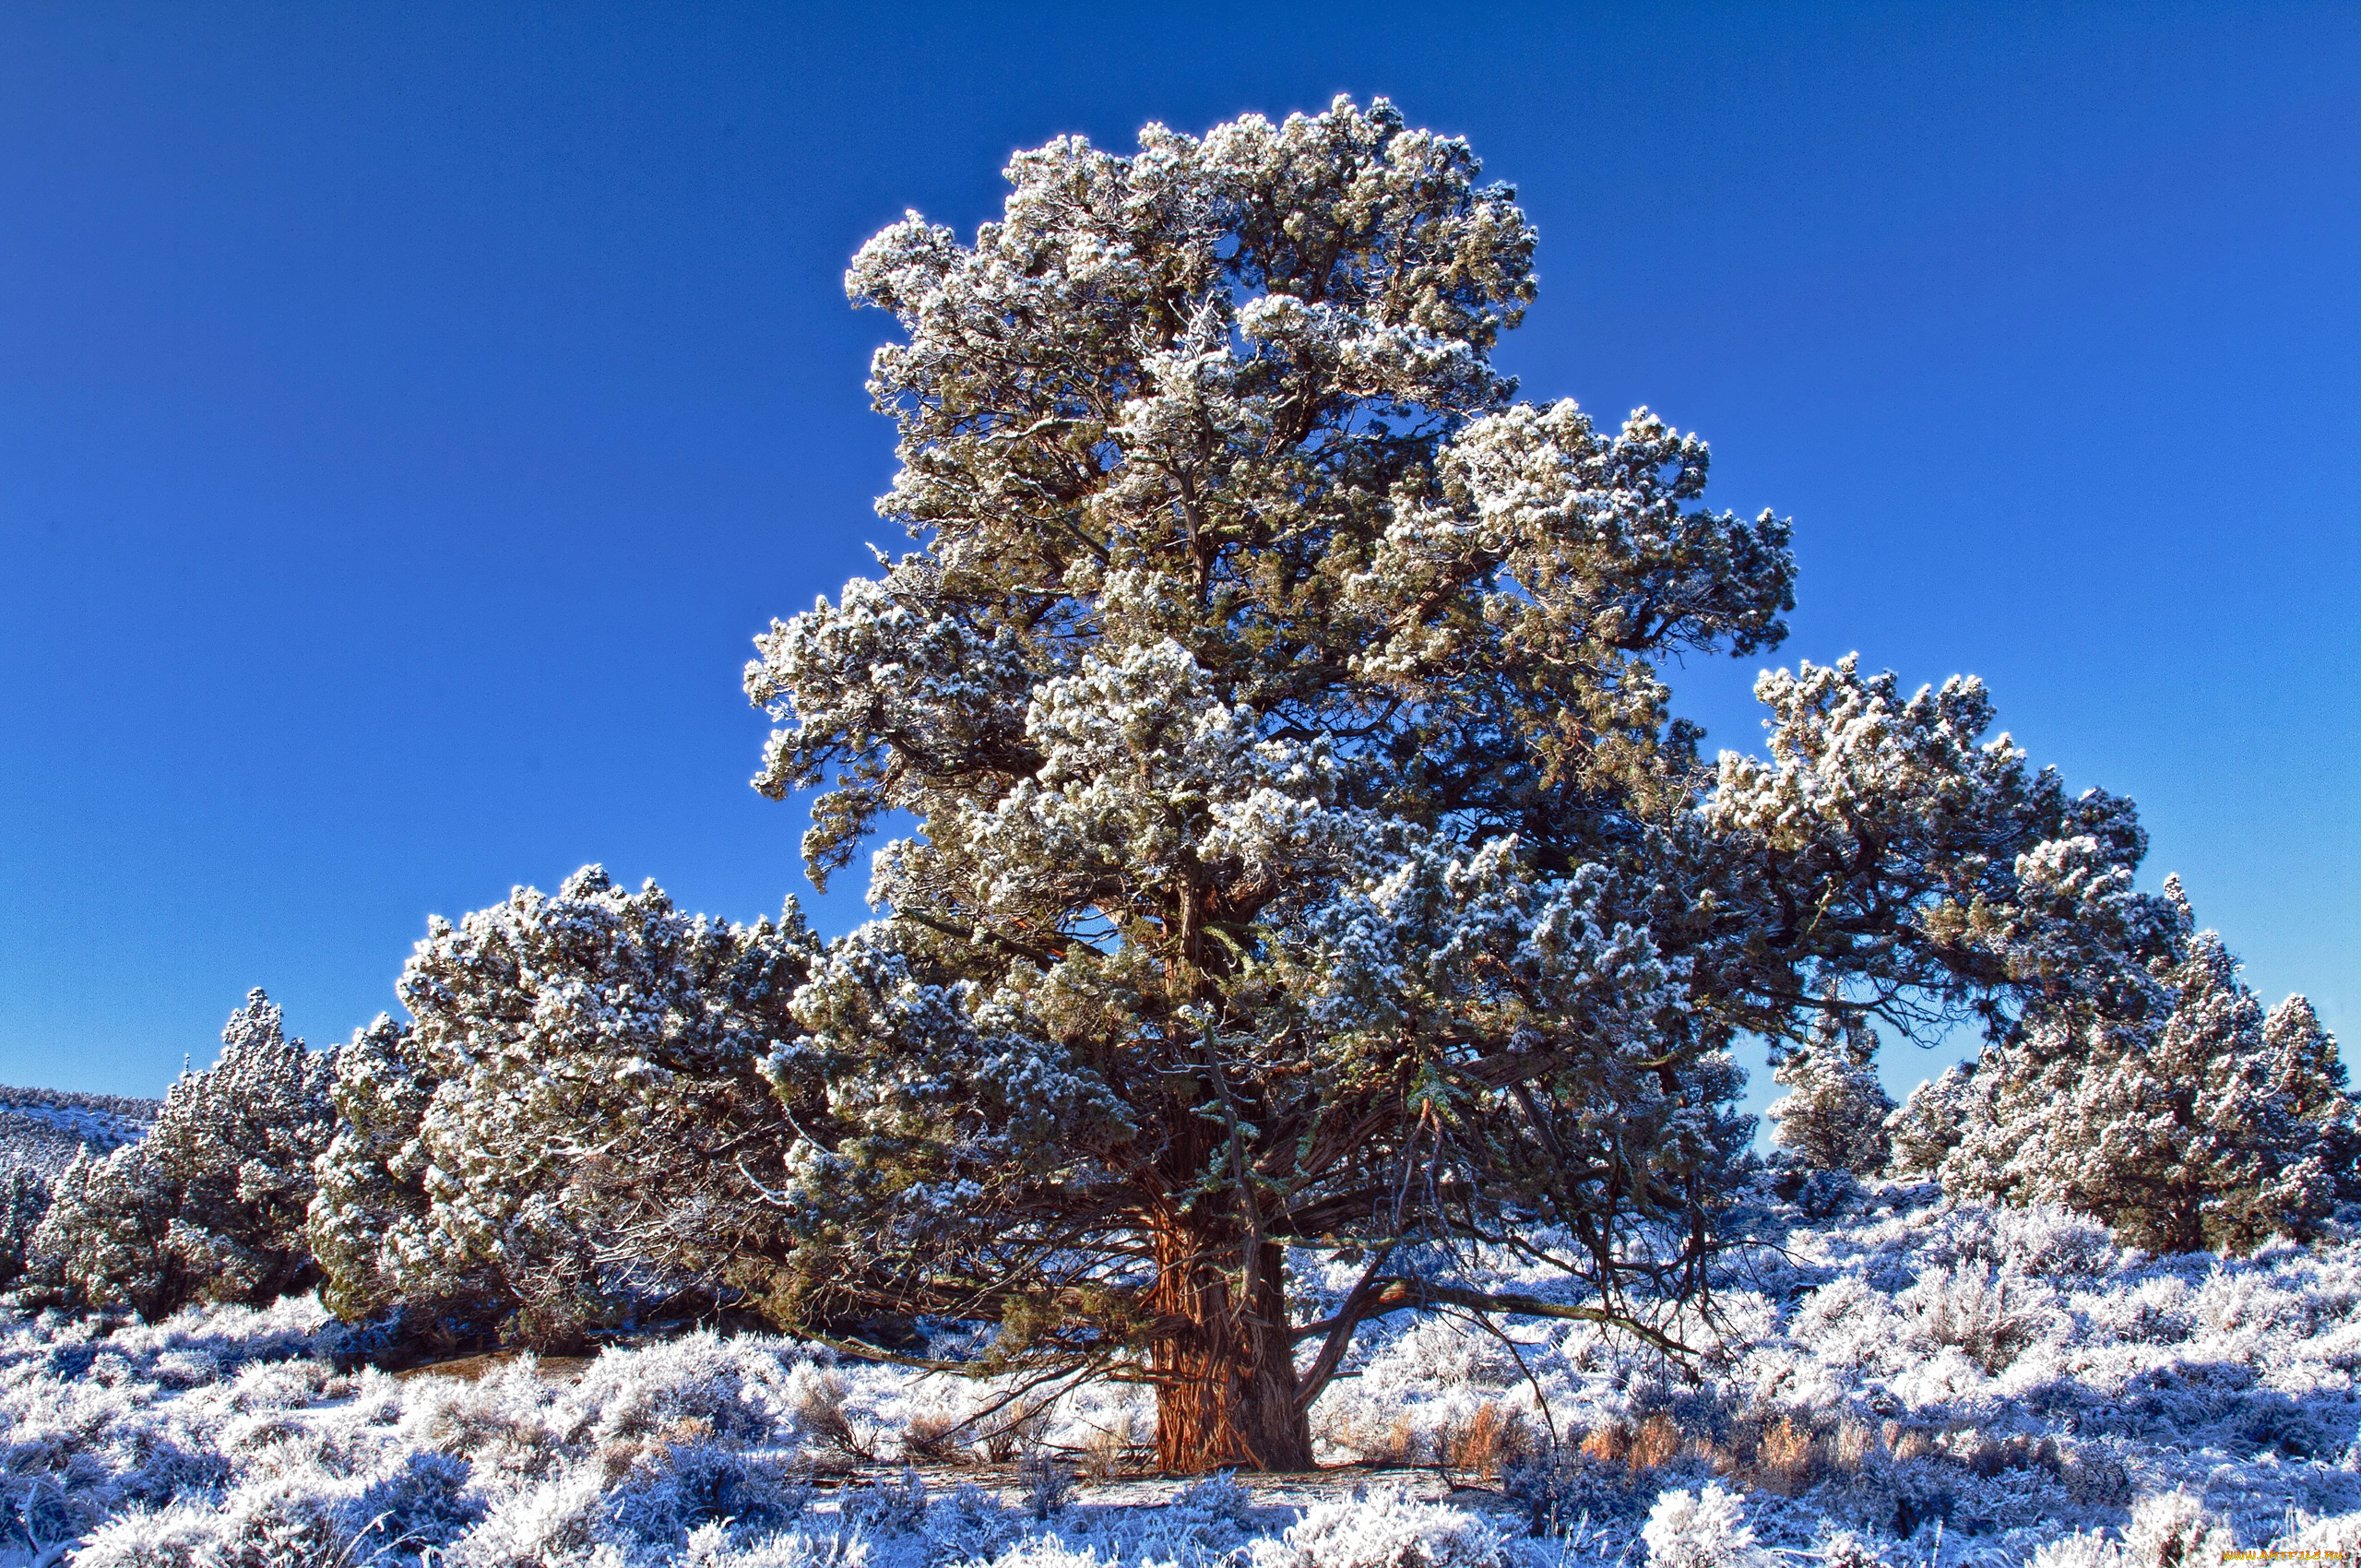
[{"x": 408, "y": 413}]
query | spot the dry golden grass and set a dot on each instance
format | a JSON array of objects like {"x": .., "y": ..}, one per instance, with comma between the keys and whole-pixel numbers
[
  {"x": 1488, "y": 1437},
  {"x": 822, "y": 1416},
  {"x": 1790, "y": 1458},
  {"x": 1658, "y": 1441},
  {"x": 1609, "y": 1444},
  {"x": 1017, "y": 1433},
  {"x": 1126, "y": 1448},
  {"x": 935, "y": 1438},
  {"x": 1857, "y": 1443},
  {"x": 1376, "y": 1442},
  {"x": 1785, "y": 1453},
  {"x": 1774, "y": 1452}
]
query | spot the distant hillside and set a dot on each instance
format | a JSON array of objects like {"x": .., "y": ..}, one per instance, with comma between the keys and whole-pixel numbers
[{"x": 42, "y": 1128}]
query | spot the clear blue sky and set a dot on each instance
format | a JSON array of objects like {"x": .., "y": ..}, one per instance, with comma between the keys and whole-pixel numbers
[{"x": 409, "y": 412}]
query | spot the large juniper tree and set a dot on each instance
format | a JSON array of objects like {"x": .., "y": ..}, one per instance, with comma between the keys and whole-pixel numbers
[{"x": 1305, "y": 855}]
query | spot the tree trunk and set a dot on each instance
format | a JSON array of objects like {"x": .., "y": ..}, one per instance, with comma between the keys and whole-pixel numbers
[
  {"x": 1225, "y": 1377},
  {"x": 2184, "y": 1221}
]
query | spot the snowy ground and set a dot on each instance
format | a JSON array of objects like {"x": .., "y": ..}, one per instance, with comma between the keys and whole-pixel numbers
[{"x": 1956, "y": 1384}]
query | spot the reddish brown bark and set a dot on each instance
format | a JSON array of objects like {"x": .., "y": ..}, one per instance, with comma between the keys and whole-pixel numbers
[{"x": 1224, "y": 1367}]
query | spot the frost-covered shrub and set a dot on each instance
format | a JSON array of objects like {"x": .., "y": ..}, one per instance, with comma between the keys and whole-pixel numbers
[
  {"x": 181, "y": 1536},
  {"x": 548, "y": 1524},
  {"x": 2174, "y": 1529},
  {"x": 507, "y": 1423},
  {"x": 886, "y": 1507},
  {"x": 970, "y": 1525},
  {"x": 1706, "y": 1530},
  {"x": 2081, "y": 1548},
  {"x": 276, "y": 1524},
  {"x": 1217, "y": 1499},
  {"x": 575, "y": 1125},
  {"x": 1385, "y": 1528},
  {"x": 734, "y": 1389},
  {"x": 2337, "y": 1535},
  {"x": 1206, "y": 1525},
  {"x": 717, "y": 1545},
  {"x": 2169, "y": 1530},
  {"x": 674, "y": 1491},
  {"x": 210, "y": 1205},
  {"x": 1971, "y": 1309},
  {"x": 1842, "y": 1549},
  {"x": 2040, "y": 1243},
  {"x": 1559, "y": 1484},
  {"x": 424, "y": 1501},
  {"x": 1049, "y": 1484}
]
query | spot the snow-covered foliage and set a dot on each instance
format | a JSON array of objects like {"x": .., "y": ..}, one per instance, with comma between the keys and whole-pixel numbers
[
  {"x": 24, "y": 1202},
  {"x": 1834, "y": 1114},
  {"x": 2008, "y": 1379},
  {"x": 1869, "y": 802},
  {"x": 1705, "y": 1529},
  {"x": 209, "y": 1205},
  {"x": 1922, "y": 1131},
  {"x": 575, "y": 1123},
  {"x": 1387, "y": 1529},
  {"x": 2200, "y": 1122},
  {"x": 2009, "y": 1372},
  {"x": 1314, "y": 925},
  {"x": 42, "y": 1133}
]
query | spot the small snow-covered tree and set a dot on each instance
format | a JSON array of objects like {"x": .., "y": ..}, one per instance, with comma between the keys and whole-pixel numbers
[
  {"x": 2198, "y": 1122},
  {"x": 210, "y": 1205},
  {"x": 1922, "y": 1132},
  {"x": 1834, "y": 1114},
  {"x": 2308, "y": 1076},
  {"x": 24, "y": 1201},
  {"x": 1305, "y": 853},
  {"x": 575, "y": 1119}
]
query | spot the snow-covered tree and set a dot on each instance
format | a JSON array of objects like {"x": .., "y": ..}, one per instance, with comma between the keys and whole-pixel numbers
[
  {"x": 1305, "y": 853},
  {"x": 1927, "y": 1126},
  {"x": 24, "y": 1201},
  {"x": 209, "y": 1206},
  {"x": 573, "y": 1123},
  {"x": 2199, "y": 1123},
  {"x": 2308, "y": 1076},
  {"x": 1834, "y": 1114}
]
